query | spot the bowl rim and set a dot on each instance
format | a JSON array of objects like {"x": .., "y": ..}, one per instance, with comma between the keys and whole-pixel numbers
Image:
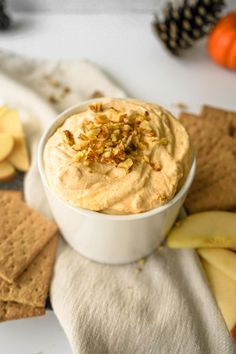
[{"x": 95, "y": 214}]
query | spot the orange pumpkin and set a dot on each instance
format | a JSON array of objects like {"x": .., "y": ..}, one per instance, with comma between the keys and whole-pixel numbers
[
  {"x": 222, "y": 41},
  {"x": 233, "y": 332}
]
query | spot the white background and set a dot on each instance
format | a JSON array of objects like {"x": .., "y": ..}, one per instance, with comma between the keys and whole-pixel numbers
[
  {"x": 125, "y": 47},
  {"x": 84, "y": 6}
]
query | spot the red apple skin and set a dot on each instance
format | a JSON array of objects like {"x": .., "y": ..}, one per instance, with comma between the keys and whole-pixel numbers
[{"x": 233, "y": 332}]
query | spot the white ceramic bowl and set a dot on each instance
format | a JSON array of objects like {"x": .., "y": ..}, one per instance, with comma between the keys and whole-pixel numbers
[{"x": 112, "y": 239}]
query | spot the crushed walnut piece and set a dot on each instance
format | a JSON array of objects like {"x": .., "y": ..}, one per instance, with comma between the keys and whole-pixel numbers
[
  {"x": 68, "y": 137},
  {"x": 58, "y": 87},
  {"x": 52, "y": 99},
  {"x": 66, "y": 89},
  {"x": 180, "y": 105},
  {"x": 155, "y": 166},
  {"x": 141, "y": 262},
  {"x": 97, "y": 94},
  {"x": 96, "y": 107},
  {"x": 139, "y": 265},
  {"x": 54, "y": 83},
  {"x": 114, "y": 137}
]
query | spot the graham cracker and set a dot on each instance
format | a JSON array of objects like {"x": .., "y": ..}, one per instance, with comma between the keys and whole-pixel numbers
[
  {"x": 186, "y": 117},
  {"x": 206, "y": 136},
  {"x": 15, "y": 311},
  {"x": 31, "y": 288},
  {"x": 12, "y": 193},
  {"x": 23, "y": 234},
  {"x": 214, "y": 186},
  {"x": 221, "y": 118}
]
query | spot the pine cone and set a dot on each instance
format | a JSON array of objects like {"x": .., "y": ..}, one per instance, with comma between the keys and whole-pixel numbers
[
  {"x": 185, "y": 24},
  {"x": 4, "y": 19}
]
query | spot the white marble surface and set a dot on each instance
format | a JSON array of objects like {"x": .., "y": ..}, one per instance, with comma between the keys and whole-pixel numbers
[
  {"x": 42, "y": 335},
  {"x": 88, "y": 6},
  {"x": 125, "y": 47}
]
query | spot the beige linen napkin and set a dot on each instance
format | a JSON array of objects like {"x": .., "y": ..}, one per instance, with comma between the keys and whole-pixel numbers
[{"x": 163, "y": 306}]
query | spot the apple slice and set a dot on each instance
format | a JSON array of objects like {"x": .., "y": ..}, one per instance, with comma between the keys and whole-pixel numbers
[
  {"x": 10, "y": 123},
  {"x": 224, "y": 260},
  {"x": 7, "y": 171},
  {"x": 3, "y": 110},
  {"x": 19, "y": 155},
  {"x": 224, "y": 290},
  {"x": 215, "y": 229},
  {"x": 6, "y": 145}
]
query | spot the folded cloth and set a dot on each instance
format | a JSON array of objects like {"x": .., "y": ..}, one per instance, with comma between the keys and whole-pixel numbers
[{"x": 162, "y": 306}]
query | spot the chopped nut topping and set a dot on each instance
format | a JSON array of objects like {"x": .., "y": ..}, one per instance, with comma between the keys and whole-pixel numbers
[
  {"x": 181, "y": 105},
  {"x": 68, "y": 137},
  {"x": 145, "y": 125},
  {"x": 141, "y": 261},
  {"x": 163, "y": 141},
  {"x": 66, "y": 89},
  {"x": 142, "y": 146},
  {"x": 86, "y": 163},
  {"x": 155, "y": 166},
  {"x": 146, "y": 158},
  {"x": 82, "y": 145},
  {"x": 79, "y": 156},
  {"x": 126, "y": 127},
  {"x": 54, "y": 83},
  {"x": 52, "y": 99},
  {"x": 107, "y": 154},
  {"x": 114, "y": 137},
  {"x": 126, "y": 164},
  {"x": 96, "y": 107},
  {"x": 97, "y": 94},
  {"x": 100, "y": 119},
  {"x": 76, "y": 147}
]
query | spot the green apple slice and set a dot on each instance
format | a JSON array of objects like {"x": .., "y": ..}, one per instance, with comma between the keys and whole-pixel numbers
[{"x": 216, "y": 229}]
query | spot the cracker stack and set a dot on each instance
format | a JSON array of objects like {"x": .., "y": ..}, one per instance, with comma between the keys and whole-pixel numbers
[
  {"x": 27, "y": 250},
  {"x": 213, "y": 135}
]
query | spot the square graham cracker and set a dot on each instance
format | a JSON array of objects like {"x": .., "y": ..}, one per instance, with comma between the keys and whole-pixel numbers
[
  {"x": 23, "y": 234},
  {"x": 221, "y": 118},
  {"x": 31, "y": 287},
  {"x": 12, "y": 193},
  {"x": 15, "y": 311},
  {"x": 206, "y": 136},
  {"x": 214, "y": 186}
]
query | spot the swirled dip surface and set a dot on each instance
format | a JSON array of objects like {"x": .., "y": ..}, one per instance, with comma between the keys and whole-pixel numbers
[{"x": 118, "y": 157}]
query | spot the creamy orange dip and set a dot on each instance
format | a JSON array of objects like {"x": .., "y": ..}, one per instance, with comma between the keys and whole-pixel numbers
[{"x": 118, "y": 157}]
